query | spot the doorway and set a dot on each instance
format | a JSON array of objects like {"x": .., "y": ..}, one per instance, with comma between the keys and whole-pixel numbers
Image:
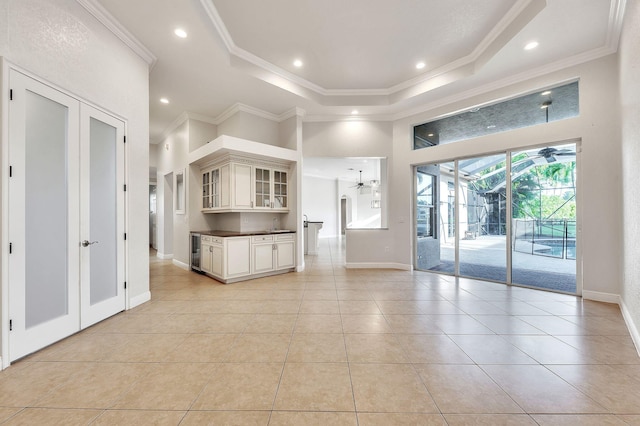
[
  {"x": 66, "y": 215},
  {"x": 514, "y": 214}
]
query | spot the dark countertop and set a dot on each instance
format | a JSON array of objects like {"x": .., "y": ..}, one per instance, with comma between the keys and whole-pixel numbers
[{"x": 218, "y": 233}]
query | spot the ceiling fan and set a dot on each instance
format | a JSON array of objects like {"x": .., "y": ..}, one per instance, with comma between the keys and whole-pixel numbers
[
  {"x": 550, "y": 154},
  {"x": 359, "y": 184}
]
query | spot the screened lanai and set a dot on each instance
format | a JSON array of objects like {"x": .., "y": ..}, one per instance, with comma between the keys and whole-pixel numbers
[{"x": 520, "y": 230}]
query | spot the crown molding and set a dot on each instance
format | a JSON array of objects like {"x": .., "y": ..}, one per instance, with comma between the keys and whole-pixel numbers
[
  {"x": 514, "y": 20},
  {"x": 106, "y": 19},
  {"x": 616, "y": 18}
]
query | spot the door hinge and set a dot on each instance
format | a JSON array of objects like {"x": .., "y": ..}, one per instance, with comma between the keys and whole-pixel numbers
[
  {"x": 125, "y": 188},
  {"x": 125, "y": 139},
  {"x": 10, "y": 248},
  {"x": 125, "y": 235},
  {"x": 10, "y": 171},
  {"x": 125, "y": 285},
  {"x": 10, "y": 325},
  {"x": 10, "y": 94}
]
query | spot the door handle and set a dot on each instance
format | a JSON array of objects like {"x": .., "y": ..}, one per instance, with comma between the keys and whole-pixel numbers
[{"x": 86, "y": 243}]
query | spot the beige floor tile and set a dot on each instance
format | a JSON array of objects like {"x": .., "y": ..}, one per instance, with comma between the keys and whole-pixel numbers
[
  {"x": 6, "y": 413},
  {"x": 353, "y": 294},
  {"x": 317, "y": 348},
  {"x": 364, "y": 324},
  {"x": 24, "y": 383},
  {"x": 259, "y": 348},
  {"x": 507, "y": 324},
  {"x": 553, "y": 325},
  {"x": 489, "y": 420},
  {"x": 432, "y": 349},
  {"x": 578, "y": 420},
  {"x": 413, "y": 324},
  {"x": 379, "y": 348},
  {"x": 244, "y": 386},
  {"x": 317, "y": 294},
  {"x": 315, "y": 387},
  {"x": 226, "y": 418},
  {"x": 96, "y": 385},
  {"x": 459, "y": 324},
  {"x": 478, "y": 307},
  {"x": 319, "y": 307},
  {"x": 538, "y": 390},
  {"x": 610, "y": 386},
  {"x": 491, "y": 350},
  {"x": 387, "y": 419},
  {"x": 630, "y": 420},
  {"x": 549, "y": 350},
  {"x": 139, "y": 417},
  {"x": 603, "y": 349},
  {"x": 145, "y": 348},
  {"x": 399, "y": 307},
  {"x": 279, "y": 307},
  {"x": 600, "y": 326},
  {"x": 518, "y": 307},
  {"x": 167, "y": 387},
  {"x": 311, "y": 323},
  {"x": 52, "y": 416},
  {"x": 359, "y": 307},
  {"x": 390, "y": 388},
  {"x": 272, "y": 323},
  {"x": 202, "y": 348},
  {"x": 438, "y": 307},
  {"x": 465, "y": 389},
  {"x": 310, "y": 418}
]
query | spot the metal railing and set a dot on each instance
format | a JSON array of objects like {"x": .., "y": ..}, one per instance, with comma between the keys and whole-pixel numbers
[{"x": 546, "y": 237}]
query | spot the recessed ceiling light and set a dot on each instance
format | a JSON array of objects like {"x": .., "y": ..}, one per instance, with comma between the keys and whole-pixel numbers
[
  {"x": 531, "y": 45},
  {"x": 354, "y": 112},
  {"x": 548, "y": 92},
  {"x": 180, "y": 33},
  {"x": 430, "y": 135},
  {"x": 420, "y": 65},
  {"x": 297, "y": 63},
  {"x": 164, "y": 100}
]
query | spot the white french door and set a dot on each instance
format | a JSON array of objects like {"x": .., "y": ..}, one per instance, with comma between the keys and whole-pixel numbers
[
  {"x": 102, "y": 198},
  {"x": 65, "y": 186}
]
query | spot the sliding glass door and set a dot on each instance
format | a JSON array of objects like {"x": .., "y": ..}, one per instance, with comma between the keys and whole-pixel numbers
[{"x": 508, "y": 217}]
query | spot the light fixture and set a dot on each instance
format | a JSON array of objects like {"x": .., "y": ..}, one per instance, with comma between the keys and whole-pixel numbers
[
  {"x": 430, "y": 135},
  {"x": 420, "y": 65},
  {"x": 531, "y": 45},
  {"x": 491, "y": 126},
  {"x": 297, "y": 63},
  {"x": 374, "y": 182},
  {"x": 180, "y": 33},
  {"x": 164, "y": 100},
  {"x": 545, "y": 93},
  {"x": 545, "y": 105},
  {"x": 354, "y": 112}
]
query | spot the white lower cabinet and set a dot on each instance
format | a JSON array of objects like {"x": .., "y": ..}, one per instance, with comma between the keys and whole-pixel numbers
[{"x": 231, "y": 259}]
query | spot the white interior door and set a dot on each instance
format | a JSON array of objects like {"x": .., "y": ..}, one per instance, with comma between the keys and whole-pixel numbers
[
  {"x": 43, "y": 215},
  {"x": 66, "y": 215},
  {"x": 102, "y": 200}
]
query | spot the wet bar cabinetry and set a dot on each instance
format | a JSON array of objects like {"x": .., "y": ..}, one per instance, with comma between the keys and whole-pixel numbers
[{"x": 238, "y": 184}]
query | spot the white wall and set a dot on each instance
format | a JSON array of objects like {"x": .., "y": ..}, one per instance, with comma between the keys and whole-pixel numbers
[
  {"x": 320, "y": 204},
  {"x": 251, "y": 127},
  {"x": 60, "y": 42},
  {"x": 347, "y": 139},
  {"x": 599, "y": 193},
  {"x": 629, "y": 62}
]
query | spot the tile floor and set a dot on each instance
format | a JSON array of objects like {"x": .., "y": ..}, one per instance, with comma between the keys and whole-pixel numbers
[{"x": 332, "y": 346}]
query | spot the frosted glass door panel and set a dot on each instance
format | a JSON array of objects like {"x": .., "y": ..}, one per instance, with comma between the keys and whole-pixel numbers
[
  {"x": 46, "y": 226},
  {"x": 103, "y": 211}
]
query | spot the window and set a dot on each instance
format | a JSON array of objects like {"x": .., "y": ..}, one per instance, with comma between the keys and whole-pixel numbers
[
  {"x": 180, "y": 192},
  {"x": 425, "y": 214},
  {"x": 543, "y": 106}
]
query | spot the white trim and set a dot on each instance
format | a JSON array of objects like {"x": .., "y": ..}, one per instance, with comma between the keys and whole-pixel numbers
[
  {"x": 112, "y": 24},
  {"x": 633, "y": 330},
  {"x": 164, "y": 256},
  {"x": 4, "y": 232},
  {"x": 300, "y": 268},
  {"x": 181, "y": 265},
  {"x": 139, "y": 299},
  {"x": 377, "y": 265},
  {"x": 601, "y": 297}
]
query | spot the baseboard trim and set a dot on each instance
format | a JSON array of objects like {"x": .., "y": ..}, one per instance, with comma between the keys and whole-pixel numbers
[
  {"x": 164, "y": 256},
  {"x": 300, "y": 268},
  {"x": 181, "y": 265},
  {"x": 139, "y": 299},
  {"x": 364, "y": 265},
  {"x": 601, "y": 297},
  {"x": 633, "y": 330}
]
